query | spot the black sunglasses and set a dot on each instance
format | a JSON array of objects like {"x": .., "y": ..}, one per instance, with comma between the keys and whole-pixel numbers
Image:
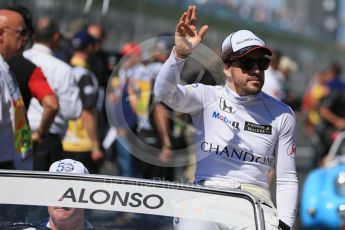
[
  {"x": 247, "y": 63},
  {"x": 24, "y": 32}
]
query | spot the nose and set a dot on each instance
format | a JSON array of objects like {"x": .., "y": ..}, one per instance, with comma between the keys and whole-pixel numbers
[{"x": 256, "y": 69}]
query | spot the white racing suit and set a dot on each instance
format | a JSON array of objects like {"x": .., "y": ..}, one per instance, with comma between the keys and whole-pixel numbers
[
  {"x": 237, "y": 138},
  {"x": 261, "y": 194}
]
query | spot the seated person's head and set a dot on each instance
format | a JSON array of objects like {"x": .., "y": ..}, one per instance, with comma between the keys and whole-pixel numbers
[{"x": 64, "y": 217}]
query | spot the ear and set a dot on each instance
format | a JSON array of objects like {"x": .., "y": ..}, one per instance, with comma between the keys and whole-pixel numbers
[
  {"x": 56, "y": 37},
  {"x": 227, "y": 71}
]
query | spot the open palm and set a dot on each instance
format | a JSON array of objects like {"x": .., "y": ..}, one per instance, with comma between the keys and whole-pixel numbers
[{"x": 186, "y": 36}]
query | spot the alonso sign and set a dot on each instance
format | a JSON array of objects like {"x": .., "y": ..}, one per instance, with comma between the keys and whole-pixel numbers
[{"x": 102, "y": 196}]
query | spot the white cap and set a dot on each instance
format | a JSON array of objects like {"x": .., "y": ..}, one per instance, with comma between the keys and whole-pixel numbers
[
  {"x": 242, "y": 42},
  {"x": 68, "y": 166}
]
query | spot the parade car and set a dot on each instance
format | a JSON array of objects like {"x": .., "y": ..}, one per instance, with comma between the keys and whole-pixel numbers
[
  {"x": 323, "y": 195},
  {"x": 112, "y": 202}
]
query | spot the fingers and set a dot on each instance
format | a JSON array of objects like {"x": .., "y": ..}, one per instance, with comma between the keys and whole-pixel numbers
[
  {"x": 193, "y": 15},
  {"x": 189, "y": 15},
  {"x": 187, "y": 24},
  {"x": 183, "y": 17},
  {"x": 180, "y": 30},
  {"x": 180, "y": 26},
  {"x": 202, "y": 32}
]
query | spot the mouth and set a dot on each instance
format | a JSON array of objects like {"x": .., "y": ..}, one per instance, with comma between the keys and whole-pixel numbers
[
  {"x": 254, "y": 80},
  {"x": 64, "y": 208}
]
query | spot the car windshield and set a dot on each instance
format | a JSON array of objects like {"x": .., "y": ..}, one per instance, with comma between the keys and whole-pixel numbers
[{"x": 110, "y": 202}]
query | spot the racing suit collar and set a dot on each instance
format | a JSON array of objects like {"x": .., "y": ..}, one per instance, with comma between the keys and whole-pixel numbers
[{"x": 237, "y": 98}]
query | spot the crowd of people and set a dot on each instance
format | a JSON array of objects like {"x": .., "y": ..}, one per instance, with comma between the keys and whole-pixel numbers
[
  {"x": 322, "y": 109},
  {"x": 56, "y": 103}
]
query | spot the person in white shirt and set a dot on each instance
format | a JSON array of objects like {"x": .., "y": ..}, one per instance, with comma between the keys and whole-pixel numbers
[
  {"x": 274, "y": 78},
  {"x": 240, "y": 130},
  {"x": 60, "y": 78},
  {"x": 122, "y": 103}
]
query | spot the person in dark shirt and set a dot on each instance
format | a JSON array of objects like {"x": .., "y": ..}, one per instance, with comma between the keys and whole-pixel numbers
[
  {"x": 81, "y": 140},
  {"x": 332, "y": 113},
  {"x": 31, "y": 80},
  {"x": 98, "y": 62}
]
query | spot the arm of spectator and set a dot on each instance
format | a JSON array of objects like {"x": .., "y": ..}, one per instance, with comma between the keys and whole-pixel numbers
[
  {"x": 41, "y": 90},
  {"x": 89, "y": 95},
  {"x": 160, "y": 115},
  {"x": 50, "y": 108},
  {"x": 329, "y": 102},
  {"x": 132, "y": 95},
  {"x": 328, "y": 115},
  {"x": 90, "y": 126}
]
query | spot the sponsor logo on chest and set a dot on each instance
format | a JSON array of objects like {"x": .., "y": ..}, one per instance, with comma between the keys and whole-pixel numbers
[
  {"x": 225, "y": 119},
  {"x": 234, "y": 153},
  {"x": 226, "y": 106},
  {"x": 256, "y": 128}
]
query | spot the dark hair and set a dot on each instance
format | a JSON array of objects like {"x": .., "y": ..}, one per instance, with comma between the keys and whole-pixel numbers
[
  {"x": 81, "y": 40},
  {"x": 45, "y": 32},
  {"x": 26, "y": 14},
  {"x": 226, "y": 58}
]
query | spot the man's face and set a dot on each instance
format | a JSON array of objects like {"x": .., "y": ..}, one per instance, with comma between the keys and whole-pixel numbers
[
  {"x": 96, "y": 32},
  {"x": 13, "y": 34},
  {"x": 62, "y": 215},
  {"x": 246, "y": 75}
]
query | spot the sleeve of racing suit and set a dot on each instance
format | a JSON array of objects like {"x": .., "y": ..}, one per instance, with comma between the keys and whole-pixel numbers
[
  {"x": 188, "y": 98},
  {"x": 287, "y": 183}
]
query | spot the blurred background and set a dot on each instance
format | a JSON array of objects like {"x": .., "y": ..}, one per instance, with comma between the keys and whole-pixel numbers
[{"x": 310, "y": 32}]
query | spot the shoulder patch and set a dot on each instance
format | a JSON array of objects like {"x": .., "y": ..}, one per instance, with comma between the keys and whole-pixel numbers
[{"x": 292, "y": 151}]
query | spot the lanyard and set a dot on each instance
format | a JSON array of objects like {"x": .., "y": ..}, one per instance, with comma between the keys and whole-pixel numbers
[{"x": 22, "y": 132}]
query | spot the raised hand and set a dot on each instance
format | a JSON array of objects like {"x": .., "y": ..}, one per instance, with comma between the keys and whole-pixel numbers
[{"x": 186, "y": 36}]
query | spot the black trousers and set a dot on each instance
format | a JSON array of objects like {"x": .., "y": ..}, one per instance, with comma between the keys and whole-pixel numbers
[
  {"x": 7, "y": 165},
  {"x": 47, "y": 153}
]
